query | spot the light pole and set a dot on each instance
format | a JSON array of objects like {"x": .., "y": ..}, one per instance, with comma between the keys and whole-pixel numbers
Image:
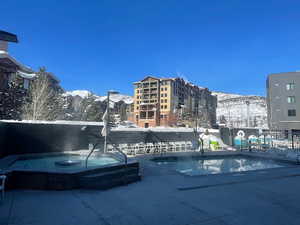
[
  {"x": 248, "y": 112},
  {"x": 106, "y": 121}
]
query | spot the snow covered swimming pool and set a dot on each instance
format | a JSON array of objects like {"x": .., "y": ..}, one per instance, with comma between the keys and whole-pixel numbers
[
  {"x": 49, "y": 163},
  {"x": 194, "y": 166}
]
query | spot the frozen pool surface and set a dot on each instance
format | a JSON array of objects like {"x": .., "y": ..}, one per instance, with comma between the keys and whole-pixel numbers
[
  {"x": 48, "y": 163},
  {"x": 202, "y": 166}
]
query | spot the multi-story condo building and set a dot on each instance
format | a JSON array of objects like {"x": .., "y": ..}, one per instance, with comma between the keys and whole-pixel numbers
[
  {"x": 172, "y": 102},
  {"x": 283, "y": 101}
]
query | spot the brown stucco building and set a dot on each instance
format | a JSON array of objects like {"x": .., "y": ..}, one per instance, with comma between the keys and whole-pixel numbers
[{"x": 172, "y": 102}]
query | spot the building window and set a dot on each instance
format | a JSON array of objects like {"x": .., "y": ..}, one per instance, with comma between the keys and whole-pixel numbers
[
  {"x": 150, "y": 115},
  {"x": 166, "y": 95},
  {"x": 161, "y": 106},
  {"x": 137, "y": 107},
  {"x": 161, "y": 89},
  {"x": 161, "y": 116},
  {"x": 291, "y": 99},
  {"x": 162, "y": 95},
  {"x": 138, "y": 91},
  {"x": 290, "y": 86},
  {"x": 162, "y": 101},
  {"x": 165, "y": 106},
  {"x": 166, "y": 100},
  {"x": 142, "y": 115},
  {"x": 166, "y": 89},
  {"x": 291, "y": 112}
]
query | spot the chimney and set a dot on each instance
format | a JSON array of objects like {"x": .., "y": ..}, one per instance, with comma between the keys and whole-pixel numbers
[
  {"x": 6, "y": 37},
  {"x": 3, "y": 46}
]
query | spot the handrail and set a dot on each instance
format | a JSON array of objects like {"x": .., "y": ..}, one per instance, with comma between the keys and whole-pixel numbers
[
  {"x": 91, "y": 152},
  {"x": 119, "y": 150}
]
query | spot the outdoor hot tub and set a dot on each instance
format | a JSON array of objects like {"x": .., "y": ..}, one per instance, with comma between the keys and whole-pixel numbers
[{"x": 68, "y": 171}]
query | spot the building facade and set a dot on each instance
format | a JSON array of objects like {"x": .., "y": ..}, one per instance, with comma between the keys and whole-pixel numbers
[
  {"x": 283, "y": 101},
  {"x": 10, "y": 68},
  {"x": 172, "y": 102}
]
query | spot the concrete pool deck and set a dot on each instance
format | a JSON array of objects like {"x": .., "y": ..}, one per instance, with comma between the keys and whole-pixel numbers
[{"x": 267, "y": 197}]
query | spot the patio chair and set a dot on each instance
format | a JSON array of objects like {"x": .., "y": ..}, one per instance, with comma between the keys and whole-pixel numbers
[
  {"x": 171, "y": 147},
  {"x": 177, "y": 146},
  {"x": 163, "y": 147},
  {"x": 140, "y": 148},
  {"x": 149, "y": 148},
  {"x": 2, "y": 179}
]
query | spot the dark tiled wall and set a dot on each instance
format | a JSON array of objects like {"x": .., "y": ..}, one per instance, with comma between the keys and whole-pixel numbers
[{"x": 24, "y": 138}]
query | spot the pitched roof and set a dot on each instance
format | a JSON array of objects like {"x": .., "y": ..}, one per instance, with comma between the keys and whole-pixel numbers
[{"x": 21, "y": 67}]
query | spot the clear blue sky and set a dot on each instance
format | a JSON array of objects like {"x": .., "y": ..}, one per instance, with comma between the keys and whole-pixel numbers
[{"x": 228, "y": 45}]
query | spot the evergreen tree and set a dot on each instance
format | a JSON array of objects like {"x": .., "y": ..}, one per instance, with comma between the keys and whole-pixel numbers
[{"x": 12, "y": 100}]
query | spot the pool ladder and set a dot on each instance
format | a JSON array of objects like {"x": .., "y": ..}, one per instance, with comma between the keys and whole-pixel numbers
[{"x": 114, "y": 146}]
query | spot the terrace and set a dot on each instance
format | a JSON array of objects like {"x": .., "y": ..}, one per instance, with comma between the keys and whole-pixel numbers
[
  {"x": 179, "y": 185},
  {"x": 165, "y": 196}
]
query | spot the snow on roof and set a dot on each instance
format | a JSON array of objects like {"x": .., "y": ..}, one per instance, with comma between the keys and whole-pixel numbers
[
  {"x": 63, "y": 122},
  {"x": 26, "y": 75}
]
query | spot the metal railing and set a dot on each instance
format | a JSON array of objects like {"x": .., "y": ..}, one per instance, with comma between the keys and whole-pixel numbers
[{"x": 119, "y": 150}]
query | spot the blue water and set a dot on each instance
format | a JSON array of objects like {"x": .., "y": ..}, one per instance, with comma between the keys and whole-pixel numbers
[
  {"x": 194, "y": 167},
  {"x": 48, "y": 163}
]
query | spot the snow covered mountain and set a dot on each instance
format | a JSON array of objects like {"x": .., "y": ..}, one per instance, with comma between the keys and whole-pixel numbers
[
  {"x": 115, "y": 97},
  {"x": 232, "y": 110},
  {"x": 80, "y": 93}
]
